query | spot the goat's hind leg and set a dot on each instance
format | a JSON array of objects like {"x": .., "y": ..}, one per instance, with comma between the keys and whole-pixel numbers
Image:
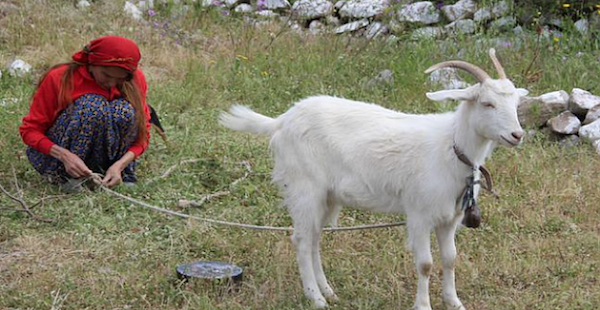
[
  {"x": 308, "y": 215},
  {"x": 324, "y": 286}
]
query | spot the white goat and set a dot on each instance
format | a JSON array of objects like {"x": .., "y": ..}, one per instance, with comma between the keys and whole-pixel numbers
[{"x": 331, "y": 152}]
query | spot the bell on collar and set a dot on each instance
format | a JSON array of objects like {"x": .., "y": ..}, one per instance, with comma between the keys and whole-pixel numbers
[{"x": 472, "y": 217}]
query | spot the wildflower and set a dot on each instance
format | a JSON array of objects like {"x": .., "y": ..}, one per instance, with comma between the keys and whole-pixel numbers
[
  {"x": 151, "y": 12},
  {"x": 261, "y": 5},
  {"x": 507, "y": 44},
  {"x": 556, "y": 39},
  {"x": 225, "y": 12},
  {"x": 566, "y": 5},
  {"x": 579, "y": 54},
  {"x": 265, "y": 73},
  {"x": 242, "y": 57},
  {"x": 564, "y": 58}
]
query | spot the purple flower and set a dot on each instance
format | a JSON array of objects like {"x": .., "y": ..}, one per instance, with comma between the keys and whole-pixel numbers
[
  {"x": 261, "y": 5},
  {"x": 151, "y": 12},
  {"x": 507, "y": 44},
  {"x": 225, "y": 12},
  {"x": 217, "y": 3}
]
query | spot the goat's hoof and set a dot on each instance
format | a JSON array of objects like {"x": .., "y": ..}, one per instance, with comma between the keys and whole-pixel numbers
[
  {"x": 320, "y": 303},
  {"x": 455, "y": 307}
]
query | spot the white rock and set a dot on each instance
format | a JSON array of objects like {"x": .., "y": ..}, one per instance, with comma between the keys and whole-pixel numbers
[
  {"x": 500, "y": 9},
  {"x": 463, "y": 26},
  {"x": 427, "y": 33},
  {"x": 583, "y": 26},
  {"x": 581, "y": 101},
  {"x": 448, "y": 78},
  {"x": 383, "y": 77},
  {"x": 133, "y": 11},
  {"x": 459, "y": 10},
  {"x": 535, "y": 111},
  {"x": 565, "y": 123},
  {"x": 353, "y": 26},
  {"x": 556, "y": 97},
  {"x": 355, "y": 9},
  {"x": 83, "y": 4},
  {"x": 592, "y": 115},
  {"x": 596, "y": 145},
  {"x": 8, "y": 101},
  {"x": 482, "y": 15},
  {"x": 243, "y": 8},
  {"x": 145, "y": 5},
  {"x": 311, "y": 9},
  {"x": 591, "y": 132},
  {"x": 419, "y": 12},
  {"x": 19, "y": 68},
  {"x": 230, "y": 3},
  {"x": 276, "y": 4},
  {"x": 332, "y": 20},
  {"x": 0, "y": 74},
  {"x": 316, "y": 27},
  {"x": 504, "y": 23},
  {"x": 267, "y": 14},
  {"x": 376, "y": 29}
]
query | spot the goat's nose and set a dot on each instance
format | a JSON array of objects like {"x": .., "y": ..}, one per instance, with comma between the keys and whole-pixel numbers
[{"x": 518, "y": 135}]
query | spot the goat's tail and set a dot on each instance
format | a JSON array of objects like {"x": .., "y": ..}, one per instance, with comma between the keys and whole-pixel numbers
[{"x": 242, "y": 118}]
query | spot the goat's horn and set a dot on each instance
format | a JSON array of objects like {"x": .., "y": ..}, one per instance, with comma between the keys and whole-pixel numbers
[
  {"x": 497, "y": 64},
  {"x": 477, "y": 72}
]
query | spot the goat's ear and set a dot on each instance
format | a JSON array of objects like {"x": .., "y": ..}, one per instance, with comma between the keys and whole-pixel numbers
[
  {"x": 522, "y": 92},
  {"x": 466, "y": 94}
]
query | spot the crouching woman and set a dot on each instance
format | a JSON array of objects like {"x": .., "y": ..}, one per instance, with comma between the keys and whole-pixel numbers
[{"x": 90, "y": 115}]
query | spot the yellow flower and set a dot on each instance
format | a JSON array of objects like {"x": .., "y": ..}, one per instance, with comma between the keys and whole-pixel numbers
[
  {"x": 598, "y": 6},
  {"x": 556, "y": 39},
  {"x": 265, "y": 73},
  {"x": 566, "y": 5},
  {"x": 242, "y": 57}
]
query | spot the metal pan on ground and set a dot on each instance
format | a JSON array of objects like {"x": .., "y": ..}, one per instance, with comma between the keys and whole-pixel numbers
[{"x": 210, "y": 270}]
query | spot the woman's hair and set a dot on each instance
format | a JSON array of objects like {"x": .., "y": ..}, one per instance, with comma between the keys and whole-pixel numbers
[{"x": 129, "y": 90}]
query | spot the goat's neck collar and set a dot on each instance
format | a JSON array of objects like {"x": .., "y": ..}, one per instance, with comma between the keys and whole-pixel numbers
[{"x": 484, "y": 172}]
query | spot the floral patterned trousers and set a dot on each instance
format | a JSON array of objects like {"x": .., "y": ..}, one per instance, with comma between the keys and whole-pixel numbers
[{"x": 97, "y": 130}]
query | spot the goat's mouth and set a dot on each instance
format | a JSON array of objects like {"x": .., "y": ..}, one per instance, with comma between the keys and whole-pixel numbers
[{"x": 511, "y": 143}]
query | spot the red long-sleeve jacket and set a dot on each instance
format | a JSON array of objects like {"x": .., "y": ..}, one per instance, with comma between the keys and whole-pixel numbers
[{"x": 44, "y": 108}]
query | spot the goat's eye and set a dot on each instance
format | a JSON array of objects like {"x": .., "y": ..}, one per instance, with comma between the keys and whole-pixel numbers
[{"x": 489, "y": 105}]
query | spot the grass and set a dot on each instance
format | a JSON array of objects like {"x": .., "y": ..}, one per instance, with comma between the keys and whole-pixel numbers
[{"x": 538, "y": 247}]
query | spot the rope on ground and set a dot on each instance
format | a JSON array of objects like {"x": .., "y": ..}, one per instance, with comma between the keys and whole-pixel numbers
[{"x": 97, "y": 179}]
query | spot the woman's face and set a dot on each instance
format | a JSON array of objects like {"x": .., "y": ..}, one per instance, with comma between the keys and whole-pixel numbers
[{"x": 108, "y": 77}]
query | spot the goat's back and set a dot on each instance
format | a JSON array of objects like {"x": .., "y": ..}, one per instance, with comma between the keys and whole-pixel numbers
[{"x": 363, "y": 154}]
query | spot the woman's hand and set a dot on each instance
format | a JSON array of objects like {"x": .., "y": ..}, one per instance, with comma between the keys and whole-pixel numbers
[
  {"x": 113, "y": 176},
  {"x": 74, "y": 165}
]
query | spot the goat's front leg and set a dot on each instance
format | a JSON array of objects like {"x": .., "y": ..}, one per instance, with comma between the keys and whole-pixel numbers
[
  {"x": 421, "y": 247},
  {"x": 445, "y": 236}
]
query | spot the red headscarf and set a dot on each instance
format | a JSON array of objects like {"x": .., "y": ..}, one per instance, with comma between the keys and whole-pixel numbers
[{"x": 110, "y": 51}]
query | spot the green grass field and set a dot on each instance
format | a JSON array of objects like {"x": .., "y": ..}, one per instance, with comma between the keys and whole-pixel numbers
[{"x": 538, "y": 247}]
